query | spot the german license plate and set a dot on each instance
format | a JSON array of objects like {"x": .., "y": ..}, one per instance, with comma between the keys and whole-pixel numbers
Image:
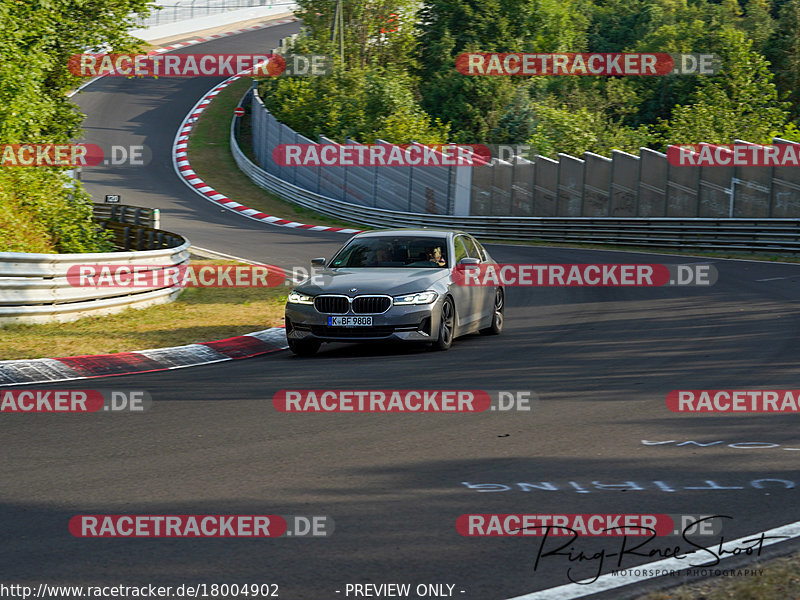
[{"x": 350, "y": 321}]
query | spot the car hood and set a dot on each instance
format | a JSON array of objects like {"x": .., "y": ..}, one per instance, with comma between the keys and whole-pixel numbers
[{"x": 391, "y": 281}]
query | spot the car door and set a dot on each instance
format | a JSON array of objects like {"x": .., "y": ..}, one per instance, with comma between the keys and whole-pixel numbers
[
  {"x": 485, "y": 295},
  {"x": 469, "y": 302}
]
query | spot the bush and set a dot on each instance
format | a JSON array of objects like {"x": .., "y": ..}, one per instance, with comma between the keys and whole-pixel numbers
[
  {"x": 362, "y": 103},
  {"x": 39, "y": 214}
]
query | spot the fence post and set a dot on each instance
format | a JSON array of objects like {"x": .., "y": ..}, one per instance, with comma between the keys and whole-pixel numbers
[{"x": 638, "y": 187}]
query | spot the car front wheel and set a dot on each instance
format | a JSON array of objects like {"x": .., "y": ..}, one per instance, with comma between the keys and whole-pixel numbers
[
  {"x": 497, "y": 314},
  {"x": 447, "y": 325}
]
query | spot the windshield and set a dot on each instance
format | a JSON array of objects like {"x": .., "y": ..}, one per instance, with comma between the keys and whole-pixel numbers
[{"x": 406, "y": 251}]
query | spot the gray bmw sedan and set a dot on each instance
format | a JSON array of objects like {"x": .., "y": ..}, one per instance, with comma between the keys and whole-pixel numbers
[{"x": 397, "y": 285}]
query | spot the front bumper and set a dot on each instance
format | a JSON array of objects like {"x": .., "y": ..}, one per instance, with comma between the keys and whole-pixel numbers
[{"x": 407, "y": 323}]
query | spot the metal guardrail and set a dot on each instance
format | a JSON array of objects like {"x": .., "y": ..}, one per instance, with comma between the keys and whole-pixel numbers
[
  {"x": 748, "y": 235},
  {"x": 34, "y": 288},
  {"x": 134, "y": 227},
  {"x": 125, "y": 213}
]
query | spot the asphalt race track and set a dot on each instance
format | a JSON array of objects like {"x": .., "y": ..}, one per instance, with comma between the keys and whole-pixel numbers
[
  {"x": 148, "y": 112},
  {"x": 601, "y": 359}
]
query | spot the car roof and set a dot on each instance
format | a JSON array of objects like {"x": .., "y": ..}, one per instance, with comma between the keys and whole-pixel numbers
[{"x": 409, "y": 232}]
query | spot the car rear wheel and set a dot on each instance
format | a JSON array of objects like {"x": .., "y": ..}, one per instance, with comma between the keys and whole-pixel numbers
[
  {"x": 304, "y": 347},
  {"x": 447, "y": 325},
  {"x": 497, "y": 317}
]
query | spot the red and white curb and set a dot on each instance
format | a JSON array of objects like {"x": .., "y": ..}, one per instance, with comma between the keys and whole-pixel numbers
[
  {"x": 180, "y": 162},
  {"x": 48, "y": 370}
]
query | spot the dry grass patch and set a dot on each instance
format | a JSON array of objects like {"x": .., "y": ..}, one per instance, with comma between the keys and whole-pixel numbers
[
  {"x": 780, "y": 580},
  {"x": 198, "y": 315}
]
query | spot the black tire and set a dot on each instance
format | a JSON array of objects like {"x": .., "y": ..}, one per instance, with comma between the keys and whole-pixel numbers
[
  {"x": 304, "y": 347},
  {"x": 497, "y": 317},
  {"x": 447, "y": 326}
]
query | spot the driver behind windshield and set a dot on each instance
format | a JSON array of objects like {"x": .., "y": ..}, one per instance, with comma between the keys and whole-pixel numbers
[
  {"x": 379, "y": 256},
  {"x": 384, "y": 254}
]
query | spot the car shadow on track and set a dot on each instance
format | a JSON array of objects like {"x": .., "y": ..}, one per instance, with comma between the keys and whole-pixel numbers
[{"x": 336, "y": 350}]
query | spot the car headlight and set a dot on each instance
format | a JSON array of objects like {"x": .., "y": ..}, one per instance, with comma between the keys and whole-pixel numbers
[
  {"x": 298, "y": 298},
  {"x": 420, "y": 298}
]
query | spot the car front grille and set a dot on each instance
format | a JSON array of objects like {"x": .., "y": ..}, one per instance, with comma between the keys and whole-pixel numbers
[
  {"x": 371, "y": 304},
  {"x": 361, "y": 305},
  {"x": 332, "y": 305}
]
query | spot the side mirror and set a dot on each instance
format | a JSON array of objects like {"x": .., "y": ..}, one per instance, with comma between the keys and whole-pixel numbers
[
  {"x": 318, "y": 262},
  {"x": 469, "y": 261}
]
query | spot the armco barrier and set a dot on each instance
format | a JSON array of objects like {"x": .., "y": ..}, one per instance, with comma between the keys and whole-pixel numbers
[
  {"x": 134, "y": 227},
  {"x": 761, "y": 235},
  {"x": 34, "y": 287},
  {"x": 124, "y": 213}
]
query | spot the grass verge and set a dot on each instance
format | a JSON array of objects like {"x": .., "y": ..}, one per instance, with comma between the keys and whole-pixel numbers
[
  {"x": 198, "y": 315},
  {"x": 210, "y": 156},
  {"x": 779, "y": 581}
]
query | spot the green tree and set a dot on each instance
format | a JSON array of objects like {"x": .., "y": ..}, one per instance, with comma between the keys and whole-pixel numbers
[
  {"x": 791, "y": 132},
  {"x": 475, "y": 105},
  {"x": 783, "y": 51},
  {"x": 360, "y": 103},
  {"x": 758, "y": 24},
  {"x": 741, "y": 102},
  {"x": 38, "y": 214},
  {"x": 727, "y": 13},
  {"x": 517, "y": 123},
  {"x": 700, "y": 27},
  {"x": 560, "y": 128},
  {"x": 615, "y": 25},
  {"x": 37, "y": 38},
  {"x": 376, "y": 32}
]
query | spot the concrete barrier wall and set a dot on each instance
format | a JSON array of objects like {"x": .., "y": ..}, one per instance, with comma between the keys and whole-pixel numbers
[{"x": 589, "y": 186}]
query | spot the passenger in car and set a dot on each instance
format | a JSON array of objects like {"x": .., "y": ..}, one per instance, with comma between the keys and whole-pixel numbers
[{"x": 435, "y": 256}]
